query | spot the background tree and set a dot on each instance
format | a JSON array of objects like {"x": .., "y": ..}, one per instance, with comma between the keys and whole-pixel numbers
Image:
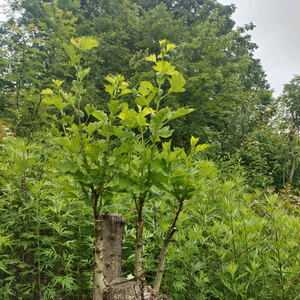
[{"x": 31, "y": 58}]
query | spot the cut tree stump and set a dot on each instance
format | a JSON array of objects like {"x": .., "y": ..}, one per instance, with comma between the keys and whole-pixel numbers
[
  {"x": 122, "y": 289},
  {"x": 108, "y": 251},
  {"x": 108, "y": 283}
]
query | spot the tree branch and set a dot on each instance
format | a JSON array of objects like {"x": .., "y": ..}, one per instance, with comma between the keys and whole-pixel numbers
[{"x": 277, "y": 285}]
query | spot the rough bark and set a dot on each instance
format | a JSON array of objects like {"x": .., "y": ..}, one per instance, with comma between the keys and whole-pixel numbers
[
  {"x": 150, "y": 294},
  {"x": 122, "y": 289},
  {"x": 108, "y": 252}
]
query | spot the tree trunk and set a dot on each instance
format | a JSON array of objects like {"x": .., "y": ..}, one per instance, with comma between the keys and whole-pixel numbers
[
  {"x": 108, "y": 252},
  {"x": 107, "y": 283}
]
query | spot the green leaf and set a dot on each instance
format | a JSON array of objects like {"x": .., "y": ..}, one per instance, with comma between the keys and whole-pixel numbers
[
  {"x": 177, "y": 82},
  {"x": 76, "y": 58},
  {"x": 161, "y": 187},
  {"x": 57, "y": 83},
  {"x": 58, "y": 102},
  {"x": 92, "y": 151},
  {"x": 170, "y": 47},
  {"x": 125, "y": 92},
  {"x": 48, "y": 100},
  {"x": 47, "y": 92},
  {"x": 80, "y": 113},
  {"x": 194, "y": 141},
  {"x": 70, "y": 51},
  {"x": 72, "y": 144},
  {"x": 67, "y": 120},
  {"x": 107, "y": 203},
  {"x": 163, "y": 67},
  {"x": 201, "y": 147},
  {"x": 109, "y": 89},
  {"x": 87, "y": 43},
  {"x": 83, "y": 73},
  {"x": 117, "y": 132},
  {"x": 114, "y": 106},
  {"x": 232, "y": 268},
  {"x": 92, "y": 127},
  {"x": 143, "y": 101},
  {"x": 90, "y": 109},
  {"x": 67, "y": 166},
  {"x": 159, "y": 118},
  {"x": 55, "y": 131},
  {"x": 162, "y": 43},
  {"x": 100, "y": 115},
  {"x": 145, "y": 88},
  {"x": 164, "y": 132},
  {"x": 88, "y": 179},
  {"x": 180, "y": 112},
  {"x": 69, "y": 97},
  {"x": 152, "y": 57},
  {"x": 74, "y": 43}
]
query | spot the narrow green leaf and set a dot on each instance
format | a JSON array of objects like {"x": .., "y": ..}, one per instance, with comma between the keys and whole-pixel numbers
[
  {"x": 70, "y": 51},
  {"x": 180, "y": 112},
  {"x": 201, "y": 147}
]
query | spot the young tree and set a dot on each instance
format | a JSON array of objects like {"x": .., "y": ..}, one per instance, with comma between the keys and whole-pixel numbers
[{"x": 127, "y": 157}]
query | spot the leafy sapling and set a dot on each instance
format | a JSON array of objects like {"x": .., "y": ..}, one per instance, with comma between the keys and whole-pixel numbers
[
  {"x": 140, "y": 150},
  {"x": 88, "y": 145},
  {"x": 181, "y": 180}
]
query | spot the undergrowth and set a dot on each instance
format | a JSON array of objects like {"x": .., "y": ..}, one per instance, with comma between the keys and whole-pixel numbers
[{"x": 231, "y": 242}]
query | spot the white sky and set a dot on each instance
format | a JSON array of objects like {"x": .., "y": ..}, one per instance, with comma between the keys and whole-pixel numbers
[{"x": 277, "y": 35}]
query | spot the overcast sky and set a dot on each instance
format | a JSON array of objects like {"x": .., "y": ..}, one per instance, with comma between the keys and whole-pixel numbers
[
  {"x": 278, "y": 25},
  {"x": 276, "y": 33}
]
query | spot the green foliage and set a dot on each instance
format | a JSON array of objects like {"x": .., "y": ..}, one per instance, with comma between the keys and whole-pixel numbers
[
  {"x": 111, "y": 147},
  {"x": 207, "y": 258},
  {"x": 32, "y": 57},
  {"x": 45, "y": 237}
]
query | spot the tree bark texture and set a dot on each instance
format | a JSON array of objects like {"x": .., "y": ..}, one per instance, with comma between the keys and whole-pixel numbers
[
  {"x": 108, "y": 251},
  {"x": 122, "y": 289},
  {"x": 150, "y": 294}
]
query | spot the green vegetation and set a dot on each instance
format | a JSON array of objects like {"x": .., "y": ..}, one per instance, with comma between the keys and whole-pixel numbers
[{"x": 187, "y": 143}]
